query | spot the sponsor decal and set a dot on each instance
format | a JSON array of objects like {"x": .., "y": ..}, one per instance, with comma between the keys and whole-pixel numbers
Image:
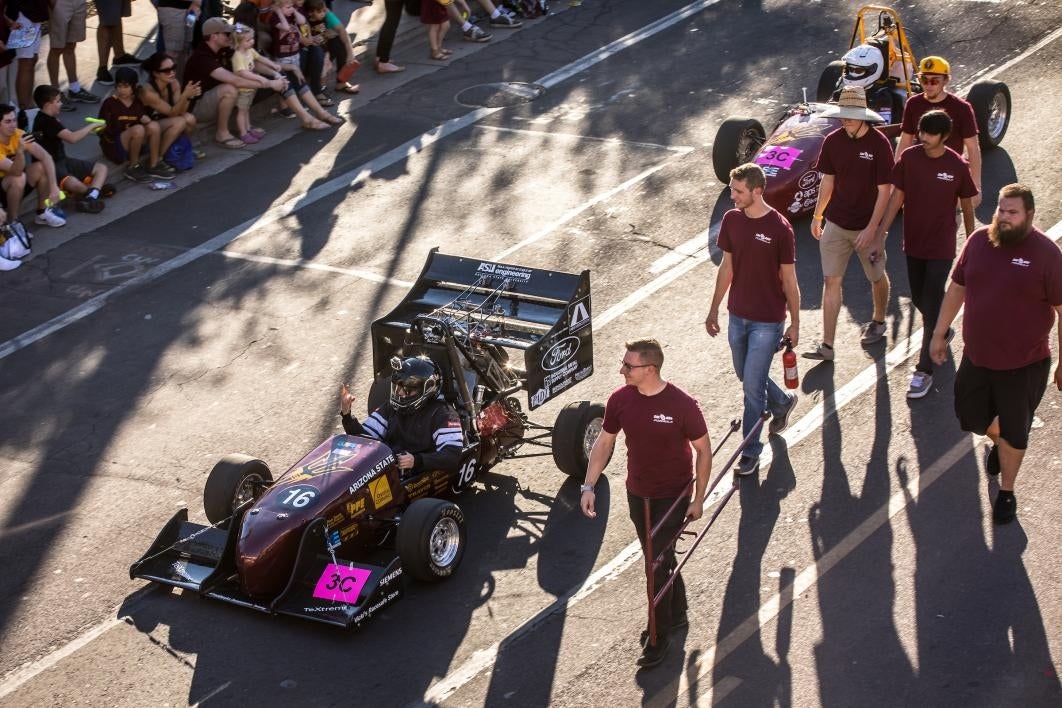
[
  {"x": 348, "y": 533},
  {"x": 864, "y": 155},
  {"x": 662, "y": 418},
  {"x": 778, "y": 157},
  {"x": 297, "y": 496},
  {"x": 334, "y": 540},
  {"x": 559, "y": 354},
  {"x": 505, "y": 271},
  {"x": 453, "y": 423},
  {"x": 380, "y": 489},
  {"x": 180, "y": 568},
  {"x": 540, "y": 396},
  {"x": 319, "y": 609},
  {"x": 368, "y": 476},
  {"x": 418, "y": 487},
  {"x": 763, "y": 238},
  {"x": 390, "y": 576},
  {"x": 770, "y": 171},
  {"x": 345, "y": 444},
  {"x": 560, "y": 373},
  {"x": 1021, "y": 262},
  {"x": 945, "y": 177},
  {"x": 561, "y": 385},
  {"x": 339, "y": 583},
  {"x": 794, "y": 207},
  {"x": 356, "y": 508},
  {"x": 579, "y": 314},
  {"x": 808, "y": 180},
  {"x": 362, "y": 616},
  {"x": 584, "y": 372},
  {"x": 335, "y": 520}
]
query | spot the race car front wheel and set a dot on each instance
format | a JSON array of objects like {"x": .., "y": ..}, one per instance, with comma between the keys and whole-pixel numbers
[
  {"x": 234, "y": 480},
  {"x": 737, "y": 142},
  {"x": 991, "y": 106},
  {"x": 574, "y": 434},
  {"x": 431, "y": 539}
]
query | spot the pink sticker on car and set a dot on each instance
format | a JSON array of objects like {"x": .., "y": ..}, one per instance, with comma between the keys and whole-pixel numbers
[
  {"x": 341, "y": 583},
  {"x": 778, "y": 156}
]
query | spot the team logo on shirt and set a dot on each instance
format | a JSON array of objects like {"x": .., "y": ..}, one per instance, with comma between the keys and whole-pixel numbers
[
  {"x": 864, "y": 155},
  {"x": 763, "y": 238},
  {"x": 662, "y": 418},
  {"x": 945, "y": 177},
  {"x": 1020, "y": 262}
]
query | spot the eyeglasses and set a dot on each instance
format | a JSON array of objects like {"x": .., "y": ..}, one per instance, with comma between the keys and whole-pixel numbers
[
  {"x": 931, "y": 80},
  {"x": 624, "y": 366},
  {"x": 167, "y": 69}
]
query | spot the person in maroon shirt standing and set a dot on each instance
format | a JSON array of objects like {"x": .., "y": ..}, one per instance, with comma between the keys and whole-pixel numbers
[
  {"x": 661, "y": 422},
  {"x": 855, "y": 162},
  {"x": 927, "y": 182},
  {"x": 1009, "y": 277},
  {"x": 759, "y": 252},
  {"x": 934, "y": 74}
]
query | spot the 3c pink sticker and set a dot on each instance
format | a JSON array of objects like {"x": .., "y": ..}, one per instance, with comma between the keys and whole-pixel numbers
[
  {"x": 778, "y": 156},
  {"x": 340, "y": 583}
]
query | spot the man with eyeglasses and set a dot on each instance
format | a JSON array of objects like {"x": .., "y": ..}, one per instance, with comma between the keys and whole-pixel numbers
[
  {"x": 660, "y": 423},
  {"x": 934, "y": 75},
  {"x": 759, "y": 256}
]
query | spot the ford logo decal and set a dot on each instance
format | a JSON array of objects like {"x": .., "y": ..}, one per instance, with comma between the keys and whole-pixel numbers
[{"x": 560, "y": 353}]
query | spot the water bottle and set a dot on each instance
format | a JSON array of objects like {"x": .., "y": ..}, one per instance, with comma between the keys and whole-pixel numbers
[
  {"x": 189, "y": 20},
  {"x": 789, "y": 363},
  {"x": 160, "y": 185}
]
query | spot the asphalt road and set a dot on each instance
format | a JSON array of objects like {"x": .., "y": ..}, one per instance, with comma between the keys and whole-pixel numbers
[{"x": 860, "y": 568}]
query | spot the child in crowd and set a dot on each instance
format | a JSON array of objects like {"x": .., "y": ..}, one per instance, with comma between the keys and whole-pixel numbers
[
  {"x": 71, "y": 173},
  {"x": 327, "y": 33},
  {"x": 128, "y": 126},
  {"x": 436, "y": 17},
  {"x": 245, "y": 59},
  {"x": 285, "y": 21}
]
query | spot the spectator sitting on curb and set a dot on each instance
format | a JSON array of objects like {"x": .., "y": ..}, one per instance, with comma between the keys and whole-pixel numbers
[
  {"x": 327, "y": 33},
  {"x": 15, "y": 173},
  {"x": 65, "y": 30},
  {"x": 210, "y": 66},
  {"x": 166, "y": 102},
  {"x": 128, "y": 125},
  {"x": 69, "y": 171},
  {"x": 286, "y": 23}
]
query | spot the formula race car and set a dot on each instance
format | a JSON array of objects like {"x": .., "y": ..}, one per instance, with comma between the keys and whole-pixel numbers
[
  {"x": 882, "y": 62},
  {"x": 331, "y": 538}
]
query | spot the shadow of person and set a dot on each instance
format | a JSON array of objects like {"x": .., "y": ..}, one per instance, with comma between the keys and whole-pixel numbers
[{"x": 997, "y": 171}]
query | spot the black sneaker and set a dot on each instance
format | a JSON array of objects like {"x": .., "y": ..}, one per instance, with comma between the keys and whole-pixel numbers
[
  {"x": 779, "y": 423},
  {"x": 475, "y": 34},
  {"x": 104, "y": 78},
  {"x": 137, "y": 173},
  {"x": 89, "y": 206},
  {"x": 161, "y": 171},
  {"x": 651, "y": 656},
  {"x": 505, "y": 20},
  {"x": 1006, "y": 507},
  {"x": 125, "y": 59},
  {"x": 108, "y": 190},
  {"x": 747, "y": 465},
  {"x": 992, "y": 461},
  {"x": 82, "y": 96}
]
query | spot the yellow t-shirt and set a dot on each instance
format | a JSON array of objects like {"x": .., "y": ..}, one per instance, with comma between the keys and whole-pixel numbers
[
  {"x": 9, "y": 148},
  {"x": 245, "y": 60}
]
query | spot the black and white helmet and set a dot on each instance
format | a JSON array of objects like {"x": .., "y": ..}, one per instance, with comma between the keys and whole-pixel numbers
[
  {"x": 863, "y": 65},
  {"x": 415, "y": 380}
]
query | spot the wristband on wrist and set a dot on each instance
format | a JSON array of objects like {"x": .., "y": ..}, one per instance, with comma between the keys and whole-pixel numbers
[{"x": 586, "y": 488}]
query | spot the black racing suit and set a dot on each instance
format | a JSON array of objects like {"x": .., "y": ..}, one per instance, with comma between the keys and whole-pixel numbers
[{"x": 431, "y": 434}]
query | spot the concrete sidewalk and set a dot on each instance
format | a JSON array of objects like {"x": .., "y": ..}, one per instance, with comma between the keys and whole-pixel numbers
[{"x": 139, "y": 31}]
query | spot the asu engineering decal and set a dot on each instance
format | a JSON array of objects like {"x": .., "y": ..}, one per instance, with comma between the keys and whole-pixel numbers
[{"x": 380, "y": 489}]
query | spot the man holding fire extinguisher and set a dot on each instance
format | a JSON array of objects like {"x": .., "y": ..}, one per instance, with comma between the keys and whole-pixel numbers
[{"x": 759, "y": 252}]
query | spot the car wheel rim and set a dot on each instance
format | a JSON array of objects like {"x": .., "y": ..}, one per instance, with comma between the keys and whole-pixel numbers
[
  {"x": 246, "y": 491},
  {"x": 444, "y": 543},
  {"x": 997, "y": 116},
  {"x": 748, "y": 144},
  {"x": 590, "y": 435}
]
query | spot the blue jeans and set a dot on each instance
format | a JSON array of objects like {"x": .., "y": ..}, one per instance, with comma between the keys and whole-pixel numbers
[{"x": 753, "y": 346}]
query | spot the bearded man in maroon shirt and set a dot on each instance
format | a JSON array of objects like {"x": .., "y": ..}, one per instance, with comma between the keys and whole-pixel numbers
[{"x": 1009, "y": 277}]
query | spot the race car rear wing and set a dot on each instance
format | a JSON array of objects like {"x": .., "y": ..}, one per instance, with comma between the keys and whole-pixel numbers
[{"x": 476, "y": 304}]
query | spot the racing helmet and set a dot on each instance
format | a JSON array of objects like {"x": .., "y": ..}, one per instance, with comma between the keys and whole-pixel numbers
[
  {"x": 863, "y": 65},
  {"x": 414, "y": 380}
]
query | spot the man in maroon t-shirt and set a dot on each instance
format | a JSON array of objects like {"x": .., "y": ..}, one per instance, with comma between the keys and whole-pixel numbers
[
  {"x": 759, "y": 252},
  {"x": 934, "y": 74},
  {"x": 855, "y": 162},
  {"x": 1009, "y": 277},
  {"x": 927, "y": 182},
  {"x": 660, "y": 422}
]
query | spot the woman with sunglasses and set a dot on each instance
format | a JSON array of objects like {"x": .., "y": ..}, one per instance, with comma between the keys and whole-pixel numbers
[{"x": 165, "y": 100}]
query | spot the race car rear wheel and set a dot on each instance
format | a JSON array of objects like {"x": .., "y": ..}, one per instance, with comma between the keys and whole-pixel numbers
[
  {"x": 431, "y": 539},
  {"x": 991, "y": 105},
  {"x": 574, "y": 434},
  {"x": 736, "y": 143},
  {"x": 234, "y": 480},
  {"x": 831, "y": 76}
]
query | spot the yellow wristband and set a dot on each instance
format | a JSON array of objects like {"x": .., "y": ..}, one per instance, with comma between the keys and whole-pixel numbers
[{"x": 818, "y": 217}]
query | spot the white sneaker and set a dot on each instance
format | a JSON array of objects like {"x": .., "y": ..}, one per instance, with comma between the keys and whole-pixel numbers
[
  {"x": 8, "y": 263},
  {"x": 49, "y": 218}
]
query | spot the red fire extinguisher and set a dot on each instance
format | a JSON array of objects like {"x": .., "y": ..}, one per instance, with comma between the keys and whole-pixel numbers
[{"x": 789, "y": 363}]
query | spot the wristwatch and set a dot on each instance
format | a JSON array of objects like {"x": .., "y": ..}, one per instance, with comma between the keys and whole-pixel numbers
[{"x": 586, "y": 488}]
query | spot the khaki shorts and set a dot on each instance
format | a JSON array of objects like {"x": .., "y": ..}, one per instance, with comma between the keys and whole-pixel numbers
[
  {"x": 206, "y": 108},
  {"x": 836, "y": 249},
  {"x": 67, "y": 24},
  {"x": 245, "y": 98}
]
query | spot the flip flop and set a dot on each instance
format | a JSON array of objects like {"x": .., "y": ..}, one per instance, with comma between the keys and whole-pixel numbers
[
  {"x": 231, "y": 143},
  {"x": 333, "y": 120},
  {"x": 388, "y": 68},
  {"x": 348, "y": 88},
  {"x": 438, "y": 56},
  {"x": 315, "y": 125}
]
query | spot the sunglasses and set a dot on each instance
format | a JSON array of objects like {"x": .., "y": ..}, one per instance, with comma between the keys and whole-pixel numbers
[
  {"x": 624, "y": 366},
  {"x": 931, "y": 80},
  {"x": 167, "y": 69}
]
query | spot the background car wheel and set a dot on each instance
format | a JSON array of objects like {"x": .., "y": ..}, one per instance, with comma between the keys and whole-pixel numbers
[
  {"x": 991, "y": 106},
  {"x": 431, "y": 539},
  {"x": 234, "y": 480},
  {"x": 574, "y": 434},
  {"x": 736, "y": 143},
  {"x": 831, "y": 76},
  {"x": 379, "y": 393}
]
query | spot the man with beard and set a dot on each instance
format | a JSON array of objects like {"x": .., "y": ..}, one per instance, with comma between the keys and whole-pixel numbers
[
  {"x": 928, "y": 180},
  {"x": 1009, "y": 277},
  {"x": 934, "y": 75},
  {"x": 855, "y": 163},
  {"x": 759, "y": 253}
]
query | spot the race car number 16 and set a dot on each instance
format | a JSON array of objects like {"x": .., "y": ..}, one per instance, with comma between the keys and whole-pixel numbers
[{"x": 299, "y": 496}]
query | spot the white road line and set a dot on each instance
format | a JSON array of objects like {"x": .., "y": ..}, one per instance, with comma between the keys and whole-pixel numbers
[
  {"x": 594, "y": 138},
  {"x": 310, "y": 265}
]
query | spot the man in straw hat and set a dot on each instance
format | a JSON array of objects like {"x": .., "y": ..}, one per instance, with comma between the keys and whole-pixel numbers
[
  {"x": 856, "y": 164},
  {"x": 934, "y": 74}
]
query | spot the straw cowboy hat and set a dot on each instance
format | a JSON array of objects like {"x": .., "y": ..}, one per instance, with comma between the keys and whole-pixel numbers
[{"x": 852, "y": 104}]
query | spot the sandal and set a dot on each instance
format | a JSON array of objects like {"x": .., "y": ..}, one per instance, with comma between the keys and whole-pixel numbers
[
  {"x": 332, "y": 120},
  {"x": 325, "y": 100},
  {"x": 438, "y": 56},
  {"x": 446, "y": 51},
  {"x": 249, "y": 138},
  {"x": 348, "y": 88},
  {"x": 315, "y": 125},
  {"x": 388, "y": 68},
  {"x": 231, "y": 143},
  {"x": 199, "y": 154},
  {"x": 284, "y": 112}
]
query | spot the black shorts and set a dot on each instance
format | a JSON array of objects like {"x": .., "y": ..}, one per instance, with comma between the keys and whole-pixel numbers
[
  {"x": 1013, "y": 395},
  {"x": 73, "y": 168}
]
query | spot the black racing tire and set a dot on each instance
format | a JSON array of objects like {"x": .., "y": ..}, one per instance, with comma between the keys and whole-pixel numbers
[
  {"x": 577, "y": 427},
  {"x": 831, "y": 77},
  {"x": 431, "y": 539},
  {"x": 379, "y": 393},
  {"x": 234, "y": 479},
  {"x": 991, "y": 106},
  {"x": 736, "y": 142}
]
